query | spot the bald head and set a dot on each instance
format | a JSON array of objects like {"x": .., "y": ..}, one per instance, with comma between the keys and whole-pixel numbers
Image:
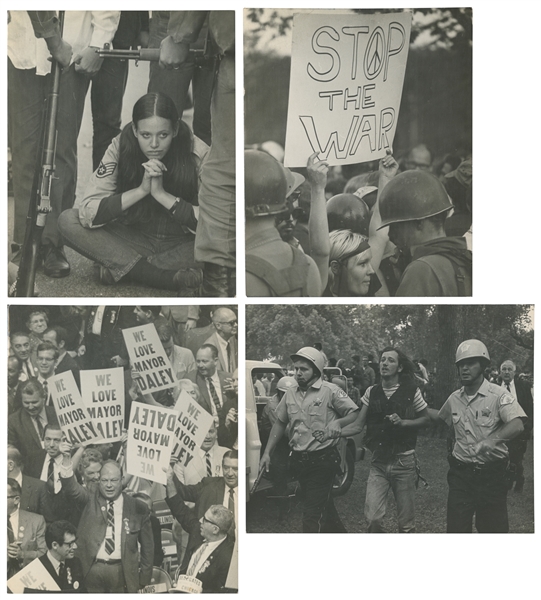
[{"x": 225, "y": 322}]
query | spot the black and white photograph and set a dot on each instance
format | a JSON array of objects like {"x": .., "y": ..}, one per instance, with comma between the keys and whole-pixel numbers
[
  {"x": 389, "y": 418},
  {"x": 358, "y": 152},
  {"x": 122, "y": 453},
  {"x": 121, "y": 136}
]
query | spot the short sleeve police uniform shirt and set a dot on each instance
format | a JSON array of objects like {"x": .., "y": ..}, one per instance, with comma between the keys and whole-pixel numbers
[
  {"x": 313, "y": 410},
  {"x": 475, "y": 419}
]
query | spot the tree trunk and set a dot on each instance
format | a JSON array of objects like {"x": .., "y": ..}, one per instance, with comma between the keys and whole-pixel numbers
[{"x": 451, "y": 328}]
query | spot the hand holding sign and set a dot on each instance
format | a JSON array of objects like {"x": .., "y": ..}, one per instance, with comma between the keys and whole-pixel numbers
[{"x": 317, "y": 171}]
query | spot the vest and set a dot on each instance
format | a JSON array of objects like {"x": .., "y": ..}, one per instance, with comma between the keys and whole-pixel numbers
[
  {"x": 382, "y": 437},
  {"x": 290, "y": 281}
]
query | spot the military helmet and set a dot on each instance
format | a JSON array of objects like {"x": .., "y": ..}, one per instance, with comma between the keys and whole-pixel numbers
[
  {"x": 265, "y": 186},
  {"x": 411, "y": 196},
  {"x": 312, "y": 355},
  {"x": 471, "y": 349},
  {"x": 348, "y": 211}
]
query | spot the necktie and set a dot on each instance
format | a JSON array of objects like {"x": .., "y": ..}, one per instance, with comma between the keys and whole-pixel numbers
[
  {"x": 230, "y": 367},
  {"x": 508, "y": 387},
  {"x": 46, "y": 391},
  {"x": 50, "y": 476},
  {"x": 231, "y": 501},
  {"x": 191, "y": 571},
  {"x": 62, "y": 576},
  {"x": 209, "y": 465},
  {"x": 11, "y": 535},
  {"x": 110, "y": 541},
  {"x": 214, "y": 395},
  {"x": 41, "y": 429}
]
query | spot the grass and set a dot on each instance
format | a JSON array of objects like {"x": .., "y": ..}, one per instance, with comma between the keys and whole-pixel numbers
[{"x": 265, "y": 515}]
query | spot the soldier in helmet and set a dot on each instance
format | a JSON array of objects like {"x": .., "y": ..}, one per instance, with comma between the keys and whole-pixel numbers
[
  {"x": 273, "y": 267},
  {"x": 414, "y": 205},
  {"x": 484, "y": 417},
  {"x": 313, "y": 406}
]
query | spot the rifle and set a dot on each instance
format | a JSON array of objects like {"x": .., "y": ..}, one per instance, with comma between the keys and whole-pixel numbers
[
  {"x": 150, "y": 54},
  {"x": 40, "y": 199}
]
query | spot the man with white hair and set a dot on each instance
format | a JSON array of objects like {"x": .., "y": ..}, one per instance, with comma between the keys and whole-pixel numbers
[
  {"x": 521, "y": 391},
  {"x": 224, "y": 338}
]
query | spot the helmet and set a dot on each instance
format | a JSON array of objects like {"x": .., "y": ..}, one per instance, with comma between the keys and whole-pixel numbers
[
  {"x": 347, "y": 211},
  {"x": 285, "y": 383},
  {"x": 311, "y": 355},
  {"x": 411, "y": 196},
  {"x": 265, "y": 184},
  {"x": 471, "y": 349}
]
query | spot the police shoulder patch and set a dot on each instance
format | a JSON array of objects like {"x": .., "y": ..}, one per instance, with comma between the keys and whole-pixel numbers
[
  {"x": 339, "y": 393},
  {"x": 506, "y": 399},
  {"x": 105, "y": 169}
]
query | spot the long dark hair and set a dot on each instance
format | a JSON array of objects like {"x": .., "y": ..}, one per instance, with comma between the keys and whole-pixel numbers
[
  {"x": 408, "y": 368},
  {"x": 180, "y": 179}
]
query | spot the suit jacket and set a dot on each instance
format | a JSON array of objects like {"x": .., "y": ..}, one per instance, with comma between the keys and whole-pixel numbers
[
  {"x": 204, "y": 494},
  {"x": 59, "y": 505},
  {"x": 227, "y": 435},
  {"x": 34, "y": 498},
  {"x": 22, "y": 433},
  {"x": 213, "y": 573},
  {"x": 525, "y": 399},
  {"x": 31, "y": 534},
  {"x": 222, "y": 357},
  {"x": 206, "y": 401},
  {"x": 75, "y": 574},
  {"x": 136, "y": 528}
]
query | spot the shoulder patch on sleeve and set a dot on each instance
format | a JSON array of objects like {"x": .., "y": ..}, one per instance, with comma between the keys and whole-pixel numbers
[
  {"x": 506, "y": 399},
  {"x": 340, "y": 393},
  {"x": 105, "y": 169}
]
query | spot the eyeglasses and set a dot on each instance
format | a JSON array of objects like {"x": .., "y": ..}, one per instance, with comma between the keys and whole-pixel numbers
[
  {"x": 231, "y": 323},
  {"x": 70, "y": 544},
  {"x": 15, "y": 496},
  {"x": 205, "y": 520}
]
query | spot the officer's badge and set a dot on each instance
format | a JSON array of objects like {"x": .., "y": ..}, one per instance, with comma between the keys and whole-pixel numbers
[
  {"x": 485, "y": 412},
  {"x": 317, "y": 402},
  {"x": 105, "y": 169}
]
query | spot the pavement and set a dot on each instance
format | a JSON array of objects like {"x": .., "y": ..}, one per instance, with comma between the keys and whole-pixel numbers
[{"x": 83, "y": 279}]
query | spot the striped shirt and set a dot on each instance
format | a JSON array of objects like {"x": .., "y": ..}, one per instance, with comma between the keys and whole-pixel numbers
[{"x": 418, "y": 402}]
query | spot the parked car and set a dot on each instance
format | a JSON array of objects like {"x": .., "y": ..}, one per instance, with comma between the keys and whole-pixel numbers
[{"x": 351, "y": 449}]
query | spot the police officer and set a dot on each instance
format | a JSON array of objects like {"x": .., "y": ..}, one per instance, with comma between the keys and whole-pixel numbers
[
  {"x": 485, "y": 417},
  {"x": 314, "y": 406},
  {"x": 414, "y": 205}
]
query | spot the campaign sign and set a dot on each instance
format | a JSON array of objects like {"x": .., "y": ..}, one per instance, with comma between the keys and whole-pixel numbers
[
  {"x": 33, "y": 577},
  {"x": 347, "y": 73},
  {"x": 103, "y": 395},
  {"x": 149, "y": 359},
  {"x": 151, "y": 437},
  {"x": 70, "y": 410},
  {"x": 193, "y": 423}
]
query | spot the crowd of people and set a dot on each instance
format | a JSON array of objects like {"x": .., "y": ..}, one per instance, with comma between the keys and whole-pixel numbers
[
  {"x": 159, "y": 209},
  {"x": 325, "y": 401},
  {"x": 403, "y": 229},
  {"x": 74, "y": 507}
]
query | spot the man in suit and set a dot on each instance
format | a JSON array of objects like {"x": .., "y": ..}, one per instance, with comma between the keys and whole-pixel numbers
[
  {"x": 27, "y": 425},
  {"x": 209, "y": 491},
  {"x": 224, "y": 338},
  {"x": 210, "y": 380},
  {"x": 522, "y": 392},
  {"x": 228, "y": 427},
  {"x": 26, "y": 532},
  {"x": 60, "y": 561},
  {"x": 211, "y": 560},
  {"x": 116, "y": 546},
  {"x": 57, "y": 336},
  {"x": 46, "y": 359},
  {"x": 20, "y": 346},
  {"x": 34, "y": 496}
]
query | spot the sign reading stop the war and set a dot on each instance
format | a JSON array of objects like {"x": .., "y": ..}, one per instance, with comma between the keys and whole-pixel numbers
[
  {"x": 70, "y": 410},
  {"x": 347, "y": 73},
  {"x": 151, "y": 437},
  {"x": 103, "y": 395},
  {"x": 192, "y": 426},
  {"x": 149, "y": 359}
]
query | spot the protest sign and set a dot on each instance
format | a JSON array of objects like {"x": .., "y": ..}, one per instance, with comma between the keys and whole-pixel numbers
[
  {"x": 347, "y": 73},
  {"x": 103, "y": 395},
  {"x": 151, "y": 437},
  {"x": 192, "y": 425},
  {"x": 34, "y": 577},
  {"x": 70, "y": 410},
  {"x": 149, "y": 359}
]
